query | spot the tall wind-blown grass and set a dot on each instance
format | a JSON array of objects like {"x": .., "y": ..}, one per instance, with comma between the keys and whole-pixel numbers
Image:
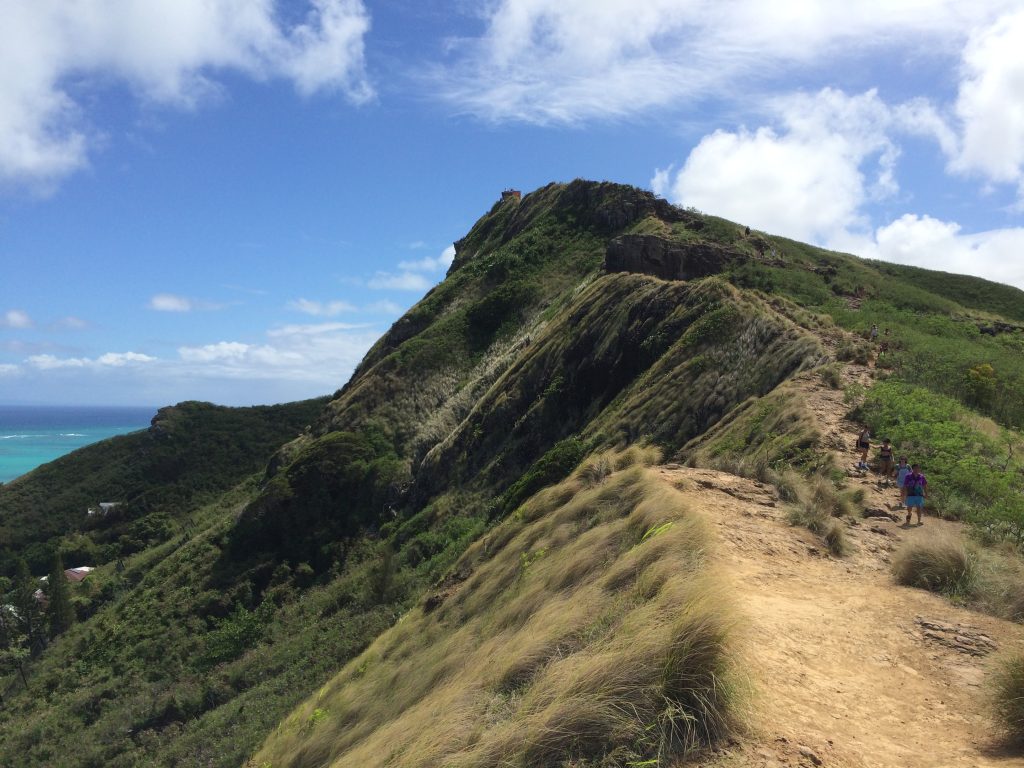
[
  {"x": 587, "y": 629},
  {"x": 1006, "y": 684},
  {"x": 941, "y": 564}
]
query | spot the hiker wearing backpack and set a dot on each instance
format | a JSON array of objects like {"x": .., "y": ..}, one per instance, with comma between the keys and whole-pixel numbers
[
  {"x": 916, "y": 486},
  {"x": 863, "y": 445}
]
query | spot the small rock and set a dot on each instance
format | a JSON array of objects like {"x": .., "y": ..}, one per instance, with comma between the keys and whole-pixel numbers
[{"x": 810, "y": 754}]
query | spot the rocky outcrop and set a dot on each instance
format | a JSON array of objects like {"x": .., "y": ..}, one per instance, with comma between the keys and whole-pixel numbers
[
  {"x": 996, "y": 327},
  {"x": 653, "y": 255}
]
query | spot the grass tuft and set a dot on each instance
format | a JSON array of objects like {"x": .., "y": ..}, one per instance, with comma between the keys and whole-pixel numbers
[
  {"x": 942, "y": 565},
  {"x": 835, "y": 539},
  {"x": 1006, "y": 684},
  {"x": 816, "y": 503}
]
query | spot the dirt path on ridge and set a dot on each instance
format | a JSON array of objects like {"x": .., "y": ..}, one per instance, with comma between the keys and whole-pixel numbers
[{"x": 848, "y": 669}]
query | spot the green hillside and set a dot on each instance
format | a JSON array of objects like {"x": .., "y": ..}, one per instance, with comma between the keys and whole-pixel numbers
[
  {"x": 191, "y": 453},
  {"x": 588, "y": 316}
]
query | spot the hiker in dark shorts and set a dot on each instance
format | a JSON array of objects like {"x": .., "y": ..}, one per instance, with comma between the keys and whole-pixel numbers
[
  {"x": 863, "y": 445},
  {"x": 885, "y": 460},
  {"x": 916, "y": 486}
]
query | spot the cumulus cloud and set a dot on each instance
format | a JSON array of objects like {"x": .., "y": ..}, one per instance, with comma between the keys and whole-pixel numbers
[
  {"x": 16, "y": 318},
  {"x": 323, "y": 353},
  {"x": 811, "y": 177},
  {"x": 934, "y": 244},
  {"x": 414, "y": 275},
  {"x": 167, "y": 51},
  {"x": 431, "y": 264},
  {"x": 291, "y": 362},
  {"x": 108, "y": 360},
  {"x": 807, "y": 179},
  {"x": 990, "y": 104},
  {"x": 565, "y": 61}
]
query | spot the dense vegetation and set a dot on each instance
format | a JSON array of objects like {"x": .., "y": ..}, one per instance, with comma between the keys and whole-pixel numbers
[
  {"x": 192, "y": 453},
  {"x": 225, "y": 595},
  {"x": 973, "y": 467}
]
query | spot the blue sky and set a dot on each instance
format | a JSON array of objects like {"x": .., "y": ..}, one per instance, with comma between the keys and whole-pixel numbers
[{"x": 230, "y": 200}]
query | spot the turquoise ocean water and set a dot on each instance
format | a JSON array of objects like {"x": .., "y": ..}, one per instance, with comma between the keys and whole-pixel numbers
[{"x": 34, "y": 435}]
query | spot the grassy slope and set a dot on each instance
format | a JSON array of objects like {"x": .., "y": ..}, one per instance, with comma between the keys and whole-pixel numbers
[
  {"x": 499, "y": 380},
  {"x": 585, "y": 628}
]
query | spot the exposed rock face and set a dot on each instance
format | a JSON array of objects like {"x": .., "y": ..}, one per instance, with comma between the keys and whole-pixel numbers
[
  {"x": 996, "y": 327},
  {"x": 959, "y": 637},
  {"x": 653, "y": 255}
]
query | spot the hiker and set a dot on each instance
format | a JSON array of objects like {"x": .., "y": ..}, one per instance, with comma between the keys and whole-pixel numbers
[
  {"x": 885, "y": 460},
  {"x": 916, "y": 486},
  {"x": 863, "y": 445},
  {"x": 874, "y": 333},
  {"x": 902, "y": 470}
]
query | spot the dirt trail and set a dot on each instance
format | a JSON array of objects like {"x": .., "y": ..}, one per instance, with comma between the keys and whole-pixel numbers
[{"x": 849, "y": 669}]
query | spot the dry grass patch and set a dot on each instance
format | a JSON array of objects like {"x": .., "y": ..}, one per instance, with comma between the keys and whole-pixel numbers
[
  {"x": 606, "y": 642},
  {"x": 1006, "y": 687},
  {"x": 816, "y": 504},
  {"x": 940, "y": 564}
]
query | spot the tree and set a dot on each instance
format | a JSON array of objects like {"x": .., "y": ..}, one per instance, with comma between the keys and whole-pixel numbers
[
  {"x": 28, "y": 609},
  {"x": 60, "y": 610}
]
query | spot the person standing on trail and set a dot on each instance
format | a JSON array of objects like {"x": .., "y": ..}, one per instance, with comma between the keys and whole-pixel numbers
[
  {"x": 863, "y": 445},
  {"x": 874, "y": 333},
  {"x": 902, "y": 470},
  {"x": 916, "y": 486},
  {"x": 885, "y": 460}
]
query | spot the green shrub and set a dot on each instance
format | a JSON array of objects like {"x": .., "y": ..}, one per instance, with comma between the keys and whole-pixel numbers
[
  {"x": 850, "y": 350},
  {"x": 972, "y": 474}
]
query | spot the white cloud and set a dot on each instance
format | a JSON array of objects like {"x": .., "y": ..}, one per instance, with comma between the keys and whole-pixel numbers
[
  {"x": 806, "y": 180},
  {"x": 223, "y": 350},
  {"x": 108, "y": 360},
  {"x": 324, "y": 353},
  {"x": 120, "y": 359},
  {"x": 430, "y": 264},
  {"x": 812, "y": 177},
  {"x": 990, "y": 104},
  {"x": 168, "y": 302},
  {"x": 8, "y": 369},
  {"x": 402, "y": 281},
  {"x": 167, "y": 51},
  {"x": 16, "y": 318},
  {"x": 321, "y": 308},
  {"x": 566, "y": 61},
  {"x": 927, "y": 242}
]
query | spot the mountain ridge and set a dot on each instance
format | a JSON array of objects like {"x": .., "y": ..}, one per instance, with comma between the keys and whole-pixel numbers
[{"x": 528, "y": 358}]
